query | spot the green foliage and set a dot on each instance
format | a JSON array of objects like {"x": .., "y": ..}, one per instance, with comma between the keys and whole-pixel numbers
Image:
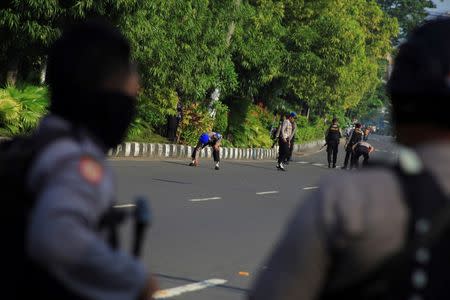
[
  {"x": 196, "y": 120},
  {"x": 182, "y": 45},
  {"x": 221, "y": 117},
  {"x": 265, "y": 56},
  {"x": 154, "y": 107},
  {"x": 140, "y": 131},
  {"x": 333, "y": 50},
  {"x": 258, "y": 50},
  {"x": 309, "y": 132},
  {"x": 21, "y": 109},
  {"x": 409, "y": 13},
  {"x": 249, "y": 125},
  {"x": 28, "y": 27}
]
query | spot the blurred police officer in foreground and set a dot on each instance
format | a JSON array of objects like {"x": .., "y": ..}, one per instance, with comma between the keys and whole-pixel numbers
[
  {"x": 381, "y": 233},
  {"x": 93, "y": 100}
]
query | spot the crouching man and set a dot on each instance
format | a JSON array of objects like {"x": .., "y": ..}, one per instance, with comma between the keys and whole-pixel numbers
[{"x": 212, "y": 139}]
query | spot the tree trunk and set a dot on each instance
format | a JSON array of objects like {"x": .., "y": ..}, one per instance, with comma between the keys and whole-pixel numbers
[
  {"x": 11, "y": 76},
  {"x": 232, "y": 26},
  {"x": 12, "y": 71},
  {"x": 43, "y": 73}
]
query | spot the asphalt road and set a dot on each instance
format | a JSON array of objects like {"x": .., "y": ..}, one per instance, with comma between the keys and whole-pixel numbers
[{"x": 219, "y": 224}]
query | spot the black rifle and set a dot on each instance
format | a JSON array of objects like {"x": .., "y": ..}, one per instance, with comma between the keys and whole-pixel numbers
[{"x": 141, "y": 215}]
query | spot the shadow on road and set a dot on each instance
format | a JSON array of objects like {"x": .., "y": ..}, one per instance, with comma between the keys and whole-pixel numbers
[
  {"x": 181, "y": 163},
  {"x": 252, "y": 166},
  {"x": 171, "y": 181}
]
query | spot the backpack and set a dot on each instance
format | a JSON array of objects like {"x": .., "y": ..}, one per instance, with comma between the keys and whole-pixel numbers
[
  {"x": 24, "y": 278},
  {"x": 421, "y": 267}
]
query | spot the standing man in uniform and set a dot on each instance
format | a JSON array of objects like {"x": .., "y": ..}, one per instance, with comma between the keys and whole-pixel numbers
[
  {"x": 382, "y": 233},
  {"x": 93, "y": 89},
  {"x": 292, "y": 138},
  {"x": 212, "y": 139},
  {"x": 332, "y": 139},
  {"x": 355, "y": 137},
  {"x": 283, "y": 140},
  {"x": 361, "y": 149}
]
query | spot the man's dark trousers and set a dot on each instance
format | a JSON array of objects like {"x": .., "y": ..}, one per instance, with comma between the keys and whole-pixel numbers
[
  {"x": 332, "y": 150},
  {"x": 360, "y": 150},
  {"x": 283, "y": 151}
]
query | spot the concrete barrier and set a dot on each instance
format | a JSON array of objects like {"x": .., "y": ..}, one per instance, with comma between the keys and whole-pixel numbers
[{"x": 132, "y": 149}]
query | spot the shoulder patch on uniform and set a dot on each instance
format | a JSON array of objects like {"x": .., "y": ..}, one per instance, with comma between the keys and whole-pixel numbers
[{"x": 91, "y": 170}]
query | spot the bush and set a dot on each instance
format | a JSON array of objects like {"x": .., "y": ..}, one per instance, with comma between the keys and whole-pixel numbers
[
  {"x": 309, "y": 132},
  {"x": 249, "y": 125},
  {"x": 196, "y": 120},
  {"x": 153, "y": 109},
  {"x": 22, "y": 108},
  {"x": 142, "y": 132},
  {"x": 221, "y": 118}
]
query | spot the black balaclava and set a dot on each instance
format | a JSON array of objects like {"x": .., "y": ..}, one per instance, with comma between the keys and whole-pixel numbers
[
  {"x": 80, "y": 63},
  {"x": 419, "y": 86}
]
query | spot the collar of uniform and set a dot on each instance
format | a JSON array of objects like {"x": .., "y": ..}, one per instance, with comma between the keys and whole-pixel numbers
[
  {"x": 52, "y": 121},
  {"x": 436, "y": 157},
  {"x": 87, "y": 143}
]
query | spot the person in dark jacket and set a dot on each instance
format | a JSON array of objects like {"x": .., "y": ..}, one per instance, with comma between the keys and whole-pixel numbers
[
  {"x": 355, "y": 136},
  {"x": 93, "y": 88},
  {"x": 332, "y": 139},
  {"x": 383, "y": 232},
  {"x": 361, "y": 149}
]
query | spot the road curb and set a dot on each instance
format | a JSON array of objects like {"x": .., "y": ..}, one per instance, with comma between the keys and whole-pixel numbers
[{"x": 164, "y": 151}]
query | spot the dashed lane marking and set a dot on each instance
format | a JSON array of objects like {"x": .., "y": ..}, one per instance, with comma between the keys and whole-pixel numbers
[
  {"x": 266, "y": 193},
  {"x": 205, "y": 199},
  {"x": 303, "y": 162},
  {"x": 192, "y": 287},
  {"x": 318, "y": 165},
  {"x": 124, "y": 205},
  {"x": 310, "y": 188}
]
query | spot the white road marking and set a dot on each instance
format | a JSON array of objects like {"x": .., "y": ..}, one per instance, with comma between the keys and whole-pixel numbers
[
  {"x": 303, "y": 162},
  {"x": 269, "y": 192},
  {"x": 205, "y": 199},
  {"x": 318, "y": 165},
  {"x": 310, "y": 188},
  {"x": 192, "y": 287},
  {"x": 124, "y": 205}
]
